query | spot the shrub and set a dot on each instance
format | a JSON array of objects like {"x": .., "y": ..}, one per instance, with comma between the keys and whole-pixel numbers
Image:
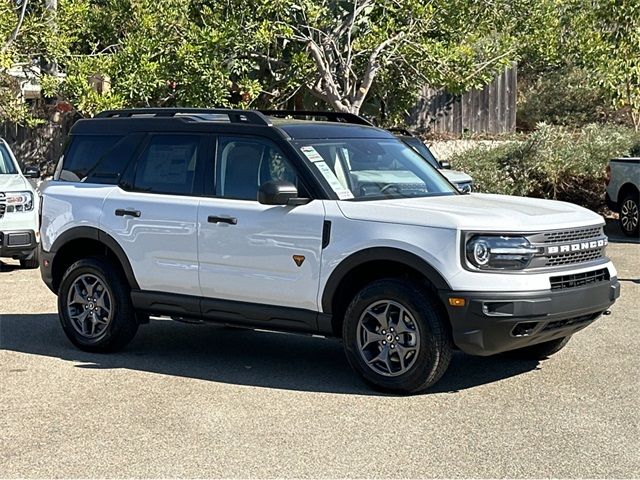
[{"x": 553, "y": 162}]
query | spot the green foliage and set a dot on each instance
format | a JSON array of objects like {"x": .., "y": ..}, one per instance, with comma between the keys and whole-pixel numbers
[
  {"x": 401, "y": 46},
  {"x": 565, "y": 96},
  {"x": 553, "y": 162},
  {"x": 604, "y": 38}
]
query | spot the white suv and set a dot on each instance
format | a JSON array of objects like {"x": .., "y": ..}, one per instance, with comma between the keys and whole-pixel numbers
[
  {"x": 333, "y": 228},
  {"x": 18, "y": 210}
]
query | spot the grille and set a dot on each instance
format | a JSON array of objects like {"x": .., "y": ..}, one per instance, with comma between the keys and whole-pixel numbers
[
  {"x": 3, "y": 206},
  {"x": 573, "y": 235},
  {"x": 570, "y": 322},
  {"x": 574, "y": 257},
  {"x": 579, "y": 279}
]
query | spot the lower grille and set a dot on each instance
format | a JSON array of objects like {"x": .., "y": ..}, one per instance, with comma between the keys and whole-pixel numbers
[
  {"x": 570, "y": 322},
  {"x": 564, "y": 282}
]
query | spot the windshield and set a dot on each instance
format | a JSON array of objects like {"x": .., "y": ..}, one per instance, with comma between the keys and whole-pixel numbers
[
  {"x": 6, "y": 164},
  {"x": 374, "y": 168}
]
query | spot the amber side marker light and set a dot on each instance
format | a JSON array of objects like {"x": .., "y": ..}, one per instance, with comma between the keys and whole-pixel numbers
[{"x": 457, "y": 302}]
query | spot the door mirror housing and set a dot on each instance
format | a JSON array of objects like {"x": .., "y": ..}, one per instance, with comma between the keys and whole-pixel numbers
[
  {"x": 444, "y": 164},
  {"x": 278, "y": 192},
  {"x": 31, "y": 171}
]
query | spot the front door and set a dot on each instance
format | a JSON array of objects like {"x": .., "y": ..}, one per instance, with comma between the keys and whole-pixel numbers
[{"x": 254, "y": 253}]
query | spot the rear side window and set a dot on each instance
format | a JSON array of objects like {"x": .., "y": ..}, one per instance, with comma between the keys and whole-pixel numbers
[
  {"x": 168, "y": 165},
  {"x": 83, "y": 155},
  {"x": 114, "y": 161}
]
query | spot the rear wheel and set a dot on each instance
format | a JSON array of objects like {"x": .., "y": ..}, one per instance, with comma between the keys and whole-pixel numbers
[
  {"x": 540, "y": 351},
  {"x": 395, "y": 336},
  {"x": 629, "y": 214},
  {"x": 95, "y": 307}
]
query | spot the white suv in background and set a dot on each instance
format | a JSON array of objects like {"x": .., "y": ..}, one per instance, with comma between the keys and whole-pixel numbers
[
  {"x": 334, "y": 228},
  {"x": 18, "y": 210}
]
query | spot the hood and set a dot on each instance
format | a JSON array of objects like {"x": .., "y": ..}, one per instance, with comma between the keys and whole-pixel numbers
[
  {"x": 14, "y": 183},
  {"x": 475, "y": 211},
  {"x": 455, "y": 176}
]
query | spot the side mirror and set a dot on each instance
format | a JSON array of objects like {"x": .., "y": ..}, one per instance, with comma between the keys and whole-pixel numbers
[
  {"x": 31, "y": 172},
  {"x": 279, "y": 192},
  {"x": 444, "y": 164}
]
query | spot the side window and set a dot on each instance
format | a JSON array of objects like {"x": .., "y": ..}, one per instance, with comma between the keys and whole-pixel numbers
[
  {"x": 245, "y": 164},
  {"x": 83, "y": 155},
  {"x": 168, "y": 165}
]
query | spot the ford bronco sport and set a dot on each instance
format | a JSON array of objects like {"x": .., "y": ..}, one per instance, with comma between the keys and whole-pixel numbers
[
  {"x": 333, "y": 227},
  {"x": 18, "y": 210}
]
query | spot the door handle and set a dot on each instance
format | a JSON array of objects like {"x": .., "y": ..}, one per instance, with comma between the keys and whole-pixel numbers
[
  {"x": 120, "y": 212},
  {"x": 229, "y": 220}
]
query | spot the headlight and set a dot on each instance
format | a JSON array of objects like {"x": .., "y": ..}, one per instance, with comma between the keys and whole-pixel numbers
[
  {"x": 19, "y": 201},
  {"x": 464, "y": 187},
  {"x": 489, "y": 252}
]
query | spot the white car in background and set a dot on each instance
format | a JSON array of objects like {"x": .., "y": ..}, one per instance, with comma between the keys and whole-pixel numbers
[{"x": 18, "y": 210}]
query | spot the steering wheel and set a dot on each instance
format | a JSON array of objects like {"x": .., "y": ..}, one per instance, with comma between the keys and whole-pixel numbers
[{"x": 389, "y": 186}]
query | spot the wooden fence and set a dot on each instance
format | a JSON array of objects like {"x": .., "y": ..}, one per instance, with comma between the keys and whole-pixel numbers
[
  {"x": 41, "y": 145},
  {"x": 491, "y": 109}
]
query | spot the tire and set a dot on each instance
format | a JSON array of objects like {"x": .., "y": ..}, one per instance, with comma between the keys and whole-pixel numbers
[
  {"x": 629, "y": 215},
  {"x": 94, "y": 306},
  {"x": 422, "y": 338},
  {"x": 30, "y": 262},
  {"x": 540, "y": 351}
]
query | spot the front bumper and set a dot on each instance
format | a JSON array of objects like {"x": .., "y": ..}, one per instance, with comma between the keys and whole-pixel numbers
[
  {"x": 495, "y": 322},
  {"x": 46, "y": 268},
  {"x": 18, "y": 243}
]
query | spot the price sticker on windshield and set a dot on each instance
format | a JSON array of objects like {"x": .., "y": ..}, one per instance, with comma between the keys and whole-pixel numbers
[
  {"x": 312, "y": 154},
  {"x": 342, "y": 192}
]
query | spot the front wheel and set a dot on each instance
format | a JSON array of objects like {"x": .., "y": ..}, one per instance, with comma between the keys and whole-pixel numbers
[
  {"x": 395, "y": 336},
  {"x": 95, "y": 307},
  {"x": 629, "y": 215}
]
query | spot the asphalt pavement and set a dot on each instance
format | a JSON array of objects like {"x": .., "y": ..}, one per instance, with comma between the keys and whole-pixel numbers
[{"x": 205, "y": 401}]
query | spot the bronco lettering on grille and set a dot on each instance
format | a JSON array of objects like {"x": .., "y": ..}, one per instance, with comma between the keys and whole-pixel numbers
[{"x": 577, "y": 247}]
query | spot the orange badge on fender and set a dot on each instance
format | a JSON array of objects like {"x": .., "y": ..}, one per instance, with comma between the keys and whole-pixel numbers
[{"x": 299, "y": 259}]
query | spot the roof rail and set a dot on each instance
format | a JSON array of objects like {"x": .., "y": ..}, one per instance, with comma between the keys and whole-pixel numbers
[
  {"x": 401, "y": 131},
  {"x": 329, "y": 116},
  {"x": 235, "y": 116}
]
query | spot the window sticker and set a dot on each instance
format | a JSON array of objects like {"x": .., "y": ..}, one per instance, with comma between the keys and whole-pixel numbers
[
  {"x": 342, "y": 192},
  {"x": 312, "y": 154}
]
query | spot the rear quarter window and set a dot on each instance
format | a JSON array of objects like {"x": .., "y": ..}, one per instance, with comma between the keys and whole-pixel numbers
[{"x": 97, "y": 158}]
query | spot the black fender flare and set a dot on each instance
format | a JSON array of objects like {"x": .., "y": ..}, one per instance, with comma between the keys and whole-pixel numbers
[
  {"x": 92, "y": 233},
  {"x": 361, "y": 257}
]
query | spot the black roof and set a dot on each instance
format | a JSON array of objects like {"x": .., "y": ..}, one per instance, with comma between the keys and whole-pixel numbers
[{"x": 120, "y": 122}]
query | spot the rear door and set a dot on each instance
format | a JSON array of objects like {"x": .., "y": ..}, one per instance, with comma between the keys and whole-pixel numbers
[
  {"x": 254, "y": 253},
  {"x": 154, "y": 217}
]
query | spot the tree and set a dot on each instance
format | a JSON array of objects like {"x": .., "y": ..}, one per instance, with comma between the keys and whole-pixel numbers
[
  {"x": 604, "y": 38},
  {"x": 338, "y": 49}
]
